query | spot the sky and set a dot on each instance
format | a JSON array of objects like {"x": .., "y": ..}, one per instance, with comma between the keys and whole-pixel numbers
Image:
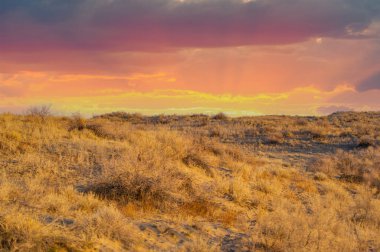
[{"x": 241, "y": 57}]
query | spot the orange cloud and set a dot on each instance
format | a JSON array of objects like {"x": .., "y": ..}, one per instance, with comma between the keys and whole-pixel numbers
[{"x": 30, "y": 83}]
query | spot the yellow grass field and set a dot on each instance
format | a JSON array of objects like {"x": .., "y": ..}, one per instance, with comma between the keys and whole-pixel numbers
[{"x": 126, "y": 182}]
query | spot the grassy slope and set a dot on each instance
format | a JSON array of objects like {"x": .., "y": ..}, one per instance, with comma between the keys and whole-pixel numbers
[{"x": 192, "y": 183}]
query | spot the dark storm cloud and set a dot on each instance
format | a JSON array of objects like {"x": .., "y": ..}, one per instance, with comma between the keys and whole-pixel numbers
[
  {"x": 160, "y": 24},
  {"x": 373, "y": 82}
]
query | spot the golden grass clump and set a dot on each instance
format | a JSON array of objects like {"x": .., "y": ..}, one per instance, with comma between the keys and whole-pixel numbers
[{"x": 360, "y": 166}]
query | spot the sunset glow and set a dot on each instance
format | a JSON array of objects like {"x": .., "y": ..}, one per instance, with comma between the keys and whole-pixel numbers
[{"x": 196, "y": 56}]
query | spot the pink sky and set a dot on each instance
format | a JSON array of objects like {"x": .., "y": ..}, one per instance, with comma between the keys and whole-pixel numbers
[{"x": 198, "y": 56}]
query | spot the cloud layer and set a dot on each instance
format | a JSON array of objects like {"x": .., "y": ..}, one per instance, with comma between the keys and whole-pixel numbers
[
  {"x": 258, "y": 56},
  {"x": 163, "y": 24}
]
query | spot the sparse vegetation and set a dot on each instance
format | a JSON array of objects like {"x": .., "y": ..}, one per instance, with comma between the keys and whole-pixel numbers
[
  {"x": 220, "y": 116},
  {"x": 39, "y": 111},
  {"x": 126, "y": 182}
]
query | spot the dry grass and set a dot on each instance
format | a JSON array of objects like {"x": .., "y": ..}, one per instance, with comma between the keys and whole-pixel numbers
[
  {"x": 124, "y": 182},
  {"x": 358, "y": 166}
]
